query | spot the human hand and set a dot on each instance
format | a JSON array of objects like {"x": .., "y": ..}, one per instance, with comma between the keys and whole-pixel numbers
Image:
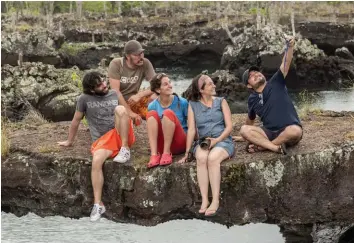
[
  {"x": 237, "y": 139},
  {"x": 183, "y": 159},
  {"x": 213, "y": 141},
  {"x": 136, "y": 118},
  {"x": 66, "y": 143},
  {"x": 134, "y": 99},
  {"x": 290, "y": 40}
]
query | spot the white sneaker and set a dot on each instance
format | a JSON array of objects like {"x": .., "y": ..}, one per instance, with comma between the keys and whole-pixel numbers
[
  {"x": 123, "y": 155},
  {"x": 96, "y": 212}
]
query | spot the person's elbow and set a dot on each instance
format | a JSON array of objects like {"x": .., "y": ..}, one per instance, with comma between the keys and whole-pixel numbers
[
  {"x": 228, "y": 128},
  {"x": 75, "y": 122}
]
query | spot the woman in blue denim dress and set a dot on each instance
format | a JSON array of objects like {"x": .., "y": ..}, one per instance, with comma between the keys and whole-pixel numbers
[{"x": 210, "y": 118}]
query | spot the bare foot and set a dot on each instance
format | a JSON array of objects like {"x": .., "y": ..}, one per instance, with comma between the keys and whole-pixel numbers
[
  {"x": 203, "y": 207},
  {"x": 213, "y": 209},
  {"x": 238, "y": 139},
  {"x": 251, "y": 148}
]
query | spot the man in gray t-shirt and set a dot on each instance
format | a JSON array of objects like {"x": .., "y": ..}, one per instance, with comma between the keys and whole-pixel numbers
[
  {"x": 110, "y": 127},
  {"x": 99, "y": 112}
]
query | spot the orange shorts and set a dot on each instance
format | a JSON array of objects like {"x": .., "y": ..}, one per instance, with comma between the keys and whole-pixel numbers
[
  {"x": 141, "y": 108},
  {"x": 112, "y": 141}
]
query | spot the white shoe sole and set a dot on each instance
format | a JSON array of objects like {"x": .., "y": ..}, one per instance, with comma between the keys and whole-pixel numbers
[
  {"x": 94, "y": 219},
  {"x": 120, "y": 161}
]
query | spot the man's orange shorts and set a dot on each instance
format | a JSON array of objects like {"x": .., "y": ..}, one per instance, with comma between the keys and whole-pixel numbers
[{"x": 112, "y": 141}]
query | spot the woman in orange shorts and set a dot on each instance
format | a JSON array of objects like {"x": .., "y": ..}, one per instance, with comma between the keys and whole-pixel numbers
[{"x": 166, "y": 122}]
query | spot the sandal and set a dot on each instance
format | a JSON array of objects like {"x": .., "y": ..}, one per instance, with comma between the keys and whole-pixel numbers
[
  {"x": 166, "y": 159},
  {"x": 203, "y": 210},
  {"x": 214, "y": 212},
  {"x": 154, "y": 161},
  {"x": 282, "y": 149},
  {"x": 254, "y": 147}
]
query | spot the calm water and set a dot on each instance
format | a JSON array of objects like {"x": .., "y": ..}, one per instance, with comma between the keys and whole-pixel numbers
[
  {"x": 32, "y": 228},
  {"x": 342, "y": 100}
]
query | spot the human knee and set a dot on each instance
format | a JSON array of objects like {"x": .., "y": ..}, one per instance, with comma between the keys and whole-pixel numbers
[
  {"x": 201, "y": 159},
  {"x": 245, "y": 129},
  {"x": 152, "y": 115},
  {"x": 214, "y": 159},
  {"x": 97, "y": 164},
  {"x": 120, "y": 110},
  {"x": 294, "y": 131},
  {"x": 168, "y": 113}
]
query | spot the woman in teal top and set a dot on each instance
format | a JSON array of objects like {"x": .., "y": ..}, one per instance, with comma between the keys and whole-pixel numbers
[
  {"x": 210, "y": 118},
  {"x": 166, "y": 122}
]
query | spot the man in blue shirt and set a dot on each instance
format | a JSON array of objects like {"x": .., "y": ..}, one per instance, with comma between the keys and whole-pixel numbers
[{"x": 271, "y": 102}]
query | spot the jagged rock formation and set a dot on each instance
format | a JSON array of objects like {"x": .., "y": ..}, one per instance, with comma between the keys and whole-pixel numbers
[
  {"x": 311, "y": 67},
  {"x": 53, "y": 92},
  {"x": 309, "y": 187},
  {"x": 37, "y": 45},
  {"x": 201, "y": 43},
  {"x": 328, "y": 36}
]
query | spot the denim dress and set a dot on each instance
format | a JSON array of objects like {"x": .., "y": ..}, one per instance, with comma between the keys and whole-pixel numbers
[{"x": 210, "y": 123}]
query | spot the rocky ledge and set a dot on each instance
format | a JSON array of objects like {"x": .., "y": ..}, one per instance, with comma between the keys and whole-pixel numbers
[{"x": 312, "y": 185}]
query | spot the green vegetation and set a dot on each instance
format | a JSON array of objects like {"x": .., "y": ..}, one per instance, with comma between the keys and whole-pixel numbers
[
  {"x": 262, "y": 11},
  {"x": 76, "y": 79},
  {"x": 23, "y": 27},
  {"x": 306, "y": 99},
  {"x": 42, "y": 8},
  {"x": 140, "y": 162},
  {"x": 5, "y": 142},
  {"x": 74, "y": 48},
  {"x": 33, "y": 117},
  {"x": 235, "y": 176},
  {"x": 48, "y": 149}
]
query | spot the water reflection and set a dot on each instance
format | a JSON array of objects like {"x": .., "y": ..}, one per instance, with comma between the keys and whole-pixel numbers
[
  {"x": 340, "y": 100},
  {"x": 32, "y": 228}
]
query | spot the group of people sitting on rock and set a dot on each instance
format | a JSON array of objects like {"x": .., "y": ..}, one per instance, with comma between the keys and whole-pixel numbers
[{"x": 199, "y": 126}]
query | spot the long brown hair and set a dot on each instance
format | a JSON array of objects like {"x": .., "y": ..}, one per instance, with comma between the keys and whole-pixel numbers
[{"x": 195, "y": 94}]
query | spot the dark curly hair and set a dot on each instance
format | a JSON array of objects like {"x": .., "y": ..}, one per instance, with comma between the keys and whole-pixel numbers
[
  {"x": 90, "y": 81},
  {"x": 195, "y": 94}
]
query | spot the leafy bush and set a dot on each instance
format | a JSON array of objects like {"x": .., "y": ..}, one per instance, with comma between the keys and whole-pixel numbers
[{"x": 5, "y": 143}]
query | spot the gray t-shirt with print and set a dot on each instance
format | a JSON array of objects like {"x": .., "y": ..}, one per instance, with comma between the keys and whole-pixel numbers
[{"x": 99, "y": 112}]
